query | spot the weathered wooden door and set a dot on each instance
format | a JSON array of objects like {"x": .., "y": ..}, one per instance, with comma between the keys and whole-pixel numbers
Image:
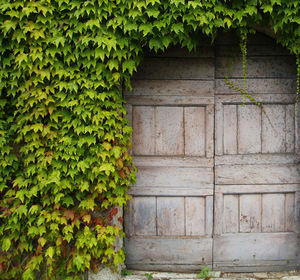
[
  {"x": 257, "y": 173},
  {"x": 218, "y": 181}
]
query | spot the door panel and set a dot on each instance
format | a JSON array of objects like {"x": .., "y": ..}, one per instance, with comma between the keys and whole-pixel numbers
[
  {"x": 170, "y": 215},
  {"x": 257, "y": 185}
]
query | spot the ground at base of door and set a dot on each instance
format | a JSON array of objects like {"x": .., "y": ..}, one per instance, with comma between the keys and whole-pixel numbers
[{"x": 214, "y": 275}]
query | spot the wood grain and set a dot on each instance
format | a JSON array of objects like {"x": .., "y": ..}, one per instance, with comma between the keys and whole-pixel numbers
[
  {"x": 249, "y": 129},
  {"x": 230, "y": 214},
  {"x": 195, "y": 215},
  {"x": 250, "y": 213},
  {"x": 143, "y": 130},
  {"x": 273, "y": 212},
  {"x": 273, "y": 129},
  {"x": 170, "y": 216},
  {"x": 230, "y": 129},
  {"x": 169, "y": 131},
  {"x": 144, "y": 213},
  {"x": 194, "y": 131},
  {"x": 176, "y": 68}
]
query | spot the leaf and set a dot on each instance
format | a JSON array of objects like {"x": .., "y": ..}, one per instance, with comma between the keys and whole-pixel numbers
[
  {"x": 6, "y": 243},
  {"x": 42, "y": 241},
  {"x": 155, "y": 44},
  {"x": 129, "y": 65},
  {"x": 146, "y": 28},
  {"x": 177, "y": 28},
  {"x": 69, "y": 214},
  {"x": 87, "y": 218},
  {"x": 50, "y": 252}
]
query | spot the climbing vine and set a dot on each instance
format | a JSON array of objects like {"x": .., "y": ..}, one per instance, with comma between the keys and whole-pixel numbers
[{"x": 64, "y": 137}]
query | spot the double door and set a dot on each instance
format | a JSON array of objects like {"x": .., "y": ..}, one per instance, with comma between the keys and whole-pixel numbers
[{"x": 218, "y": 180}]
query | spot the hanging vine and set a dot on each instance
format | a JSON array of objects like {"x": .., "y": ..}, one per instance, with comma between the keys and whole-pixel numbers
[{"x": 63, "y": 137}]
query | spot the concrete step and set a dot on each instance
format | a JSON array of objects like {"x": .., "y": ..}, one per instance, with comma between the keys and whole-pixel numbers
[{"x": 214, "y": 275}]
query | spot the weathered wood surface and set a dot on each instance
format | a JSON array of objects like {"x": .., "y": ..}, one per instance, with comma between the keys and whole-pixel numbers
[
  {"x": 143, "y": 123},
  {"x": 257, "y": 67},
  {"x": 252, "y": 51},
  {"x": 273, "y": 128},
  {"x": 231, "y": 215},
  {"x": 257, "y": 174},
  {"x": 257, "y": 159},
  {"x": 194, "y": 136},
  {"x": 273, "y": 214},
  {"x": 206, "y": 189},
  {"x": 144, "y": 215},
  {"x": 256, "y": 251},
  {"x": 230, "y": 129},
  {"x": 192, "y": 131},
  {"x": 232, "y": 38},
  {"x": 195, "y": 215},
  {"x": 173, "y": 130},
  {"x": 271, "y": 188},
  {"x": 250, "y": 129},
  {"x": 169, "y": 132},
  {"x": 170, "y": 216},
  {"x": 210, "y": 147},
  {"x": 171, "y": 88},
  {"x": 259, "y": 86},
  {"x": 155, "y": 161},
  {"x": 256, "y": 211},
  {"x": 170, "y": 100},
  {"x": 250, "y": 213},
  {"x": 174, "y": 176},
  {"x": 168, "y": 251},
  {"x": 176, "y": 68}
]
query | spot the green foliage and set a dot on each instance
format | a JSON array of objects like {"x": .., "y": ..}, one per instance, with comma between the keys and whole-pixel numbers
[
  {"x": 149, "y": 276},
  {"x": 204, "y": 273},
  {"x": 125, "y": 272},
  {"x": 64, "y": 164}
]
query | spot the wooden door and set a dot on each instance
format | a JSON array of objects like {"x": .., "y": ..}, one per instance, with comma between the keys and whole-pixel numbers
[
  {"x": 257, "y": 172},
  {"x": 170, "y": 219},
  {"x": 218, "y": 181}
]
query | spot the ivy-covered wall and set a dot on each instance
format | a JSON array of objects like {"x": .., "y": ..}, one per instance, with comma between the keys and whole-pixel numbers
[{"x": 64, "y": 140}]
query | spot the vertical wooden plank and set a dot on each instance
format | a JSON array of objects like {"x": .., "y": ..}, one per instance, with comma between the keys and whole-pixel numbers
[
  {"x": 128, "y": 108},
  {"x": 209, "y": 206},
  {"x": 230, "y": 130},
  {"x": 219, "y": 128},
  {"x": 195, "y": 215},
  {"x": 170, "y": 216},
  {"x": 290, "y": 128},
  {"x": 297, "y": 212},
  {"x": 273, "y": 212},
  {"x": 290, "y": 212},
  {"x": 249, "y": 129},
  {"x": 297, "y": 131},
  {"x": 128, "y": 219},
  {"x": 210, "y": 111},
  {"x": 194, "y": 131},
  {"x": 218, "y": 213},
  {"x": 144, "y": 215},
  {"x": 273, "y": 129},
  {"x": 250, "y": 213},
  {"x": 143, "y": 130},
  {"x": 231, "y": 214},
  {"x": 169, "y": 131}
]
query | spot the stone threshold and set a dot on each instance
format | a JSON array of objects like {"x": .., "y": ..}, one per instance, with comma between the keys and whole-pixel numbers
[{"x": 214, "y": 275}]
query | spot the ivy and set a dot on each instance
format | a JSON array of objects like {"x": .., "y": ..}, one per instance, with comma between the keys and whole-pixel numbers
[{"x": 64, "y": 137}]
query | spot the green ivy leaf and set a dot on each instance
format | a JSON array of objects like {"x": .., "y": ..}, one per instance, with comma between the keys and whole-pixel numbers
[{"x": 6, "y": 243}]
